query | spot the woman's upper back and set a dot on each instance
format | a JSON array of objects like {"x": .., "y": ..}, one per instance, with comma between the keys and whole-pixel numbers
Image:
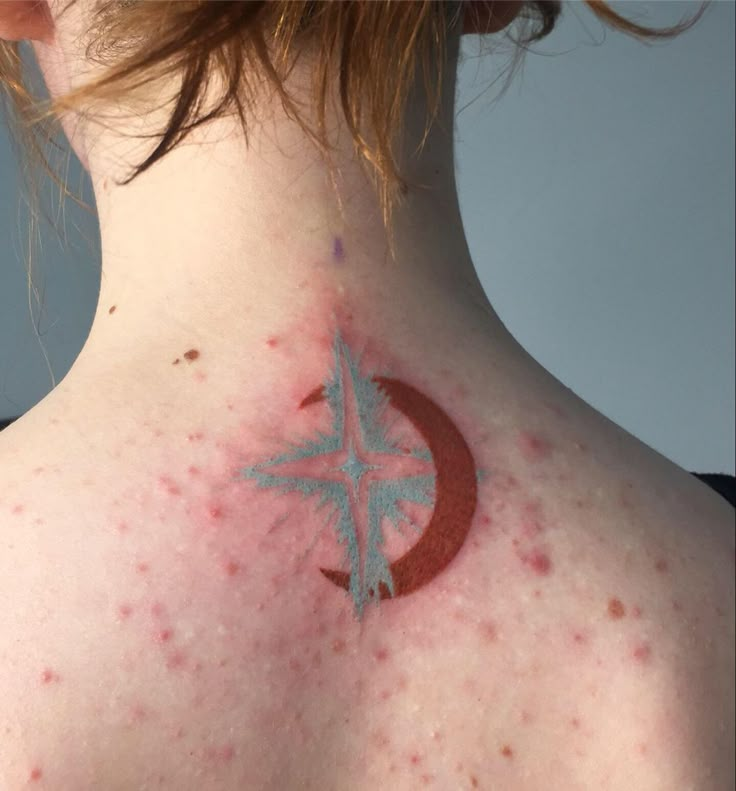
[{"x": 171, "y": 617}]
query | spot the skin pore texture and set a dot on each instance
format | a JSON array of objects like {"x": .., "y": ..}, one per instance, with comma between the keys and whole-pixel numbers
[{"x": 303, "y": 516}]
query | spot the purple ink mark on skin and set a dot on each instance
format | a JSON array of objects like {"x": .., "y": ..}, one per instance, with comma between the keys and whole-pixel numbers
[{"x": 338, "y": 251}]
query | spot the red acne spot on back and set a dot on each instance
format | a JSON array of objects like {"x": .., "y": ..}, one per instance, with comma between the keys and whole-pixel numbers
[
  {"x": 616, "y": 609},
  {"x": 49, "y": 677},
  {"x": 193, "y": 470},
  {"x": 142, "y": 568},
  {"x": 231, "y": 568},
  {"x": 163, "y": 636},
  {"x": 414, "y": 759},
  {"x": 215, "y": 512},
  {"x": 473, "y": 781},
  {"x": 157, "y": 609},
  {"x": 636, "y": 612},
  {"x": 272, "y": 343},
  {"x": 488, "y": 631},
  {"x": 191, "y": 355},
  {"x": 661, "y": 566},
  {"x": 36, "y": 774},
  {"x": 176, "y": 660},
  {"x": 169, "y": 486},
  {"x": 642, "y": 653},
  {"x": 18, "y": 509},
  {"x": 507, "y": 752},
  {"x": 538, "y": 562},
  {"x": 338, "y": 646},
  {"x": 580, "y": 638},
  {"x": 197, "y": 436},
  {"x": 575, "y": 722},
  {"x": 533, "y": 447},
  {"x": 381, "y": 655},
  {"x": 125, "y": 611}
]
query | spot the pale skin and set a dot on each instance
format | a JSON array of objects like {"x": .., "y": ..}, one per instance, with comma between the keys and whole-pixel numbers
[{"x": 166, "y": 624}]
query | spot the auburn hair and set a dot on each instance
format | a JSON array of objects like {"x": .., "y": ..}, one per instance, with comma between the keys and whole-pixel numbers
[{"x": 372, "y": 48}]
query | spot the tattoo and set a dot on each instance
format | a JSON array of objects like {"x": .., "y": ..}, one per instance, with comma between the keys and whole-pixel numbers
[{"x": 358, "y": 461}]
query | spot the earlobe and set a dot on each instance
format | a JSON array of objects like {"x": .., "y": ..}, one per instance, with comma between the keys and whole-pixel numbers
[{"x": 26, "y": 20}]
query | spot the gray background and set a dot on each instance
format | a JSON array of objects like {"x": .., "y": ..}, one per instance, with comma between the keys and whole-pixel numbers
[{"x": 598, "y": 196}]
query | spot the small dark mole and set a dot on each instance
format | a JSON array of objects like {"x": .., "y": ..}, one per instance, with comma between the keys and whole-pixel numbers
[
  {"x": 112, "y": 310},
  {"x": 191, "y": 355},
  {"x": 616, "y": 609},
  {"x": 176, "y": 362},
  {"x": 507, "y": 752}
]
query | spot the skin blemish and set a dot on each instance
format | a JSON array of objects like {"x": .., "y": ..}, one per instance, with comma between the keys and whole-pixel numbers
[
  {"x": 661, "y": 566},
  {"x": 215, "y": 512},
  {"x": 176, "y": 361},
  {"x": 507, "y": 752},
  {"x": 163, "y": 636},
  {"x": 121, "y": 527},
  {"x": 176, "y": 660},
  {"x": 338, "y": 646},
  {"x": 575, "y": 723},
  {"x": 231, "y": 568},
  {"x": 169, "y": 486},
  {"x": 157, "y": 609},
  {"x": 488, "y": 631},
  {"x": 124, "y": 612},
  {"x": 112, "y": 309},
  {"x": 272, "y": 343},
  {"x": 48, "y": 676},
  {"x": 642, "y": 653},
  {"x": 415, "y": 759},
  {"x": 533, "y": 447},
  {"x": 191, "y": 355},
  {"x": 338, "y": 250},
  {"x": 197, "y": 436},
  {"x": 616, "y": 609},
  {"x": 473, "y": 781},
  {"x": 18, "y": 509},
  {"x": 538, "y": 562},
  {"x": 142, "y": 568},
  {"x": 36, "y": 774}
]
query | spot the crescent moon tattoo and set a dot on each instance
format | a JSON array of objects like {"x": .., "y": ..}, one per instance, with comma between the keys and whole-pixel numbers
[{"x": 361, "y": 440}]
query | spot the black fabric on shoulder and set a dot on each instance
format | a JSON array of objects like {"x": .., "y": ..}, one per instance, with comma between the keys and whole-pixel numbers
[{"x": 725, "y": 485}]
